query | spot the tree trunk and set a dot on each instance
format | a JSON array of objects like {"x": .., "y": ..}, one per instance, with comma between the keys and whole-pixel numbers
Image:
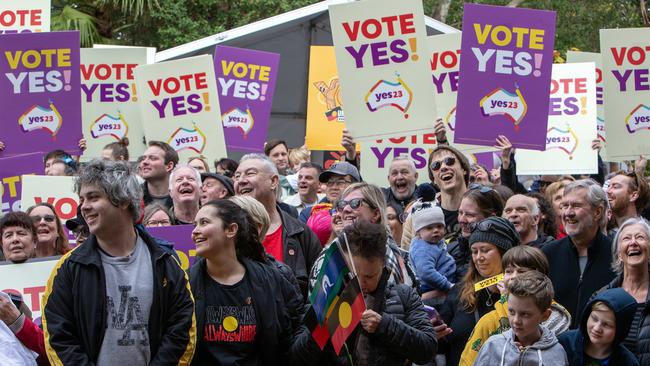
[
  {"x": 644, "y": 12},
  {"x": 515, "y": 3},
  {"x": 442, "y": 10}
]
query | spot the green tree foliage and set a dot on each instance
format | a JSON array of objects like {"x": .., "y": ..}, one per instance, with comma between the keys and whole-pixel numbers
[{"x": 168, "y": 23}]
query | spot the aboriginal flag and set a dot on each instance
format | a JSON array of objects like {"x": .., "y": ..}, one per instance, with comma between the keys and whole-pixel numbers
[
  {"x": 345, "y": 314},
  {"x": 318, "y": 332},
  {"x": 329, "y": 281}
]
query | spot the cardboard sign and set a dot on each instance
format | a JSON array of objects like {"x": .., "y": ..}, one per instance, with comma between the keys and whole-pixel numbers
[
  {"x": 444, "y": 60},
  {"x": 180, "y": 106},
  {"x": 506, "y": 71},
  {"x": 28, "y": 280},
  {"x": 378, "y": 155},
  {"x": 573, "y": 57},
  {"x": 24, "y": 16},
  {"x": 40, "y": 95},
  {"x": 325, "y": 115},
  {"x": 181, "y": 237},
  {"x": 11, "y": 170},
  {"x": 246, "y": 84},
  {"x": 109, "y": 97},
  {"x": 381, "y": 56},
  {"x": 626, "y": 73},
  {"x": 571, "y": 125},
  {"x": 58, "y": 191}
]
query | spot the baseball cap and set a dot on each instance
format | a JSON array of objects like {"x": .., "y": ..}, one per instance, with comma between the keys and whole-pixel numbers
[
  {"x": 340, "y": 168},
  {"x": 74, "y": 223},
  {"x": 227, "y": 182}
]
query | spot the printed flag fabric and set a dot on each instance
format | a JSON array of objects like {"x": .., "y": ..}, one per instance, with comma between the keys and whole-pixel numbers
[
  {"x": 345, "y": 315},
  {"x": 329, "y": 281}
]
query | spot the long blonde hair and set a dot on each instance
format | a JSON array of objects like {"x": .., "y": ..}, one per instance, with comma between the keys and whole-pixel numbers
[{"x": 468, "y": 299}]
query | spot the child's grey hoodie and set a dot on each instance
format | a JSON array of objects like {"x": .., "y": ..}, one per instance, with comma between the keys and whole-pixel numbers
[{"x": 501, "y": 350}]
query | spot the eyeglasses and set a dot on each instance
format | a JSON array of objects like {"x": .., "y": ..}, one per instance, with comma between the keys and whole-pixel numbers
[
  {"x": 163, "y": 222},
  {"x": 481, "y": 188},
  {"x": 338, "y": 183},
  {"x": 80, "y": 232},
  {"x": 449, "y": 161},
  {"x": 47, "y": 218},
  {"x": 354, "y": 203}
]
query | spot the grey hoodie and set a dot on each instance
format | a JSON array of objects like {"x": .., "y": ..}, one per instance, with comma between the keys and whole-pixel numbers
[{"x": 501, "y": 350}]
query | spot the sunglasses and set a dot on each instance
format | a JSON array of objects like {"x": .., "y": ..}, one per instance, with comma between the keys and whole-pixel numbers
[
  {"x": 47, "y": 218},
  {"x": 490, "y": 226},
  {"x": 481, "y": 188},
  {"x": 449, "y": 161},
  {"x": 354, "y": 204}
]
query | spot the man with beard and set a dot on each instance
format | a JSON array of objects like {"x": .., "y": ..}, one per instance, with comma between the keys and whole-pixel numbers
[
  {"x": 156, "y": 164},
  {"x": 402, "y": 177},
  {"x": 288, "y": 240},
  {"x": 308, "y": 184},
  {"x": 523, "y": 212},
  {"x": 628, "y": 195},
  {"x": 580, "y": 263},
  {"x": 185, "y": 190}
]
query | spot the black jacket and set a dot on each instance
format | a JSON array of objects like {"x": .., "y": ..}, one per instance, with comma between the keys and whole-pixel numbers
[
  {"x": 273, "y": 297},
  {"x": 573, "y": 341},
  {"x": 404, "y": 332},
  {"x": 75, "y": 314},
  {"x": 301, "y": 248},
  {"x": 642, "y": 339},
  {"x": 461, "y": 321},
  {"x": 459, "y": 250},
  {"x": 541, "y": 241},
  {"x": 571, "y": 289},
  {"x": 147, "y": 198}
]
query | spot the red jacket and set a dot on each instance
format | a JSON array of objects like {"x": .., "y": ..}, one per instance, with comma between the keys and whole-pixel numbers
[{"x": 31, "y": 336}]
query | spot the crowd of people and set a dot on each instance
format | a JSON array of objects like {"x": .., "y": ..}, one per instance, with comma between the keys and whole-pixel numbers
[{"x": 475, "y": 267}]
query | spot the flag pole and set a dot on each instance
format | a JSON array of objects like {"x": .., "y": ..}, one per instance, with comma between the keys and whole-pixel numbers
[{"x": 354, "y": 269}]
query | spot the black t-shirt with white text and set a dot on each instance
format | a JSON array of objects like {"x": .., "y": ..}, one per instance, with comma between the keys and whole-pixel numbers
[{"x": 230, "y": 328}]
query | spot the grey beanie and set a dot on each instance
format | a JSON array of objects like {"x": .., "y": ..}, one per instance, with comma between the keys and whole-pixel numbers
[
  {"x": 496, "y": 231},
  {"x": 427, "y": 214}
]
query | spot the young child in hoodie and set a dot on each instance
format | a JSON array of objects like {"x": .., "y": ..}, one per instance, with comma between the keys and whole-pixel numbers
[
  {"x": 605, "y": 323},
  {"x": 527, "y": 342},
  {"x": 518, "y": 260},
  {"x": 434, "y": 267}
]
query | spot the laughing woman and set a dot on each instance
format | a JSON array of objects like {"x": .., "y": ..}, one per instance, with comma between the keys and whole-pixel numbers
[
  {"x": 631, "y": 255},
  {"x": 242, "y": 316},
  {"x": 52, "y": 239}
]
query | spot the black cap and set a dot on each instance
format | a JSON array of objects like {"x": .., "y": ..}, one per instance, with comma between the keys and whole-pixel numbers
[
  {"x": 227, "y": 182},
  {"x": 340, "y": 168},
  {"x": 73, "y": 224},
  {"x": 496, "y": 231}
]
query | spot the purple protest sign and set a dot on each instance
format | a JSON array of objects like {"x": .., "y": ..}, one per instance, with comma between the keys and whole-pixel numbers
[
  {"x": 505, "y": 76},
  {"x": 181, "y": 237},
  {"x": 40, "y": 93},
  {"x": 11, "y": 170},
  {"x": 246, "y": 82}
]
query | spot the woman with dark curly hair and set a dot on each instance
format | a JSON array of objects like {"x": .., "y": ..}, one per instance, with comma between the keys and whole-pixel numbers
[{"x": 548, "y": 221}]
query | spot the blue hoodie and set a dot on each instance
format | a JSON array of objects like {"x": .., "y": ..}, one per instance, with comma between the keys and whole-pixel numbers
[{"x": 624, "y": 307}]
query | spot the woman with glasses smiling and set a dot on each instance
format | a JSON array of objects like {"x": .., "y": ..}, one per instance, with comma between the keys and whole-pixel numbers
[
  {"x": 52, "y": 239},
  {"x": 363, "y": 201}
]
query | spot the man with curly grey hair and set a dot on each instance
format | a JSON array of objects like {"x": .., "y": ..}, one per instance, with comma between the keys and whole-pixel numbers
[{"x": 119, "y": 298}]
